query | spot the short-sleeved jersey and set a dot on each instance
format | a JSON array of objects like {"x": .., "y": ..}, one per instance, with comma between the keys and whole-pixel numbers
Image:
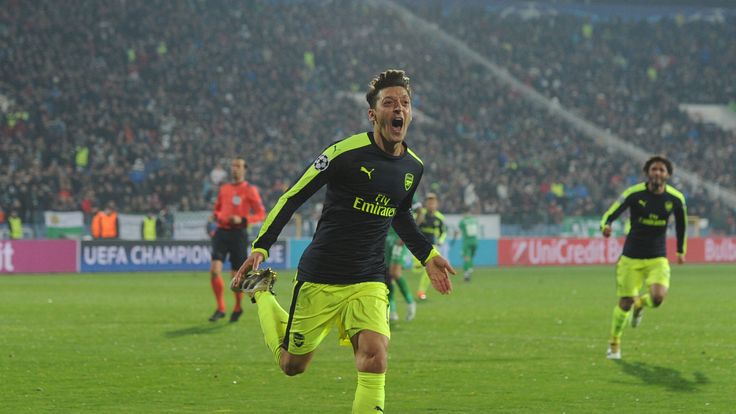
[
  {"x": 368, "y": 190},
  {"x": 649, "y": 213},
  {"x": 242, "y": 200},
  {"x": 469, "y": 228}
]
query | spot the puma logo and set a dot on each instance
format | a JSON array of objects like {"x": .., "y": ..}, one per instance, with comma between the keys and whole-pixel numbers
[
  {"x": 377, "y": 408},
  {"x": 643, "y": 203},
  {"x": 365, "y": 170}
]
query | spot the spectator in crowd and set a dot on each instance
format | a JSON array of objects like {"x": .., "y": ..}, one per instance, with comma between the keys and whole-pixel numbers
[
  {"x": 217, "y": 175},
  {"x": 166, "y": 219}
]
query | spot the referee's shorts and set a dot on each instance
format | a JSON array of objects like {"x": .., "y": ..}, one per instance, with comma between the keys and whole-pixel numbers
[{"x": 232, "y": 243}]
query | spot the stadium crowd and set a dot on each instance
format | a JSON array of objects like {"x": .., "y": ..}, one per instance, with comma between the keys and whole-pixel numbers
[
  {"x": 626, "y": 76},
  {"x": 141, "y": 102}
]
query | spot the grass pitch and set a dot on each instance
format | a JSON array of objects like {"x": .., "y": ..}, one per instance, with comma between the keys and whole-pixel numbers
[{"x": 514, "y": 340}]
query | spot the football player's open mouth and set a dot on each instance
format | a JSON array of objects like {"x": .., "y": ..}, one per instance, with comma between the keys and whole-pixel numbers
[{"x": 397, "y": 123}]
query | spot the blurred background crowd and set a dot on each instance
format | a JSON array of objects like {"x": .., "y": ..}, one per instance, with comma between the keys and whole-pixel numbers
[{"x": 143, "y": 103}]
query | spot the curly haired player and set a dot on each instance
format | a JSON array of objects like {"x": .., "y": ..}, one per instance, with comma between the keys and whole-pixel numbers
[{"x": 644, "y": 259}]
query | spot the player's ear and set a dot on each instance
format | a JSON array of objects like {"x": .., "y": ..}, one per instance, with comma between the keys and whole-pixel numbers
[{"x": 371, "y": 115}]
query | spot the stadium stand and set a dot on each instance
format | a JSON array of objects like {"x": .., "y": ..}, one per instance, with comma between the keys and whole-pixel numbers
[{"x": 138, "y": 102}]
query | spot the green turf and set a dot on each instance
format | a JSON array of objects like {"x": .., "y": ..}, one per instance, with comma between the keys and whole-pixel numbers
[{"x": 515, "y": 340}]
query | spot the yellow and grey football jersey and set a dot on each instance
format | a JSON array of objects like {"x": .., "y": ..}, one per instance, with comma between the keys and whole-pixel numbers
[
  {"x": 367, "y": 191},
  {"x": 649, "y": 213}
]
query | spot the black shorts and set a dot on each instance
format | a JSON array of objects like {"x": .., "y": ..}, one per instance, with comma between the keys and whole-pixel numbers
[{"x": 233, "y": 243}]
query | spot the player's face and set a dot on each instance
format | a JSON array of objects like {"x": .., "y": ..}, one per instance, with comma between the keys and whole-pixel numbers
[
  {"x": 657, "y": 174},
  {"x": 431, "y": 204},
  {"x": 237, "y": 170},
  {"x": 392, "y": 115}
]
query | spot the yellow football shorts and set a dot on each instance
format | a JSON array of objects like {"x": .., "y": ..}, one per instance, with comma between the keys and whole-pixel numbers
[
  {"x": 316, "y": 308},
  {"x": 631, "y": 274}
]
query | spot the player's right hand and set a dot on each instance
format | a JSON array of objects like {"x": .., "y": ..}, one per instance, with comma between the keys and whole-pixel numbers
[
  {"x": 251, "y": 263},
  {"x": 606, "y": 231}
]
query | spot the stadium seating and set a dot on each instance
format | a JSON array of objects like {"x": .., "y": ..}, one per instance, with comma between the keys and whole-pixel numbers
[{"x": 158, "y": 93}]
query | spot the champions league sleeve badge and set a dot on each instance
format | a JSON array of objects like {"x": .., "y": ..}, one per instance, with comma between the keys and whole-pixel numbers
[{"x": 322, "y": 162}]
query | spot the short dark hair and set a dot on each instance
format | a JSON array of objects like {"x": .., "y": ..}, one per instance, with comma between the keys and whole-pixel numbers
[
  {"x": 658, "y": 158},
  {"x": 387, "y": 79}
]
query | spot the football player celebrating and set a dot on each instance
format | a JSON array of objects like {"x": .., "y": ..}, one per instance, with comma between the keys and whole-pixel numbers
[
  {"x": 644, "y": 259},
  {"x": 371, "y": 178}
]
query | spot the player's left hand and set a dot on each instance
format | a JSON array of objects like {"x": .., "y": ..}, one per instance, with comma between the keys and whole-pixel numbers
[
  {"x": 438, "y": 270},
  {"x": 236, "y": 220}
]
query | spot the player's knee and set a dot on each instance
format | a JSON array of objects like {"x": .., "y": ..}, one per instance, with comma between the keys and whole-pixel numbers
[
  {"x": 292, "y": 366},
  {"x": 657, "y": 300},
  {"x": 375, "y": 362},
  {"x": 625, "y": 303},
  {"x": 291, "y": 369}
]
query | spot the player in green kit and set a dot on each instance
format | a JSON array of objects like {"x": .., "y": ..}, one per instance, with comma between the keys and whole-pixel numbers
[
  {"x": 370, "y": 179},
  {"x": 644, "y": 259},
  {"x": 397, "y": 256},
  {"x": 468, "y": 226}
]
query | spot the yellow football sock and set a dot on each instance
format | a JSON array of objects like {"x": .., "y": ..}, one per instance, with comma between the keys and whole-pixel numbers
[
  {"x": 619, "y": 319},
  {"x": 370, "y": 393},
  {"x": 273, "y": 320}
]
